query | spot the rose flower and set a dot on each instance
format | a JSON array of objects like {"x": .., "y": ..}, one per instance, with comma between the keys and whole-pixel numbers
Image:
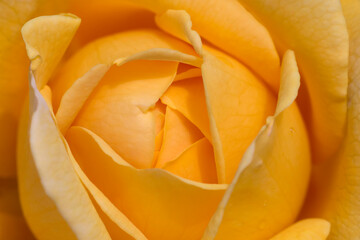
[{"x": 180, "y": 119}]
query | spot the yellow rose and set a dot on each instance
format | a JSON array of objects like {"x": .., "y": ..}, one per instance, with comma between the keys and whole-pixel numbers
[{"x": 180, "y": 119}]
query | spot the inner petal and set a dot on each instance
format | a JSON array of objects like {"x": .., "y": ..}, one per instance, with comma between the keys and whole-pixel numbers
[
  {"x": 188, "y": 97},
  {"x": 179, "y": 134},
  {"x": 119, "y": 109},
  {"x": 195, "y": 163}
]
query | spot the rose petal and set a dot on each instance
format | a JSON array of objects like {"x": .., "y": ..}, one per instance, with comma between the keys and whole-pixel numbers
[
  {"x": 237, "y": 104},
  {"x": 179, "y": 207},
  {"x": 230, "y": 27},
  {"x": 46, "y": 39},
  {"x": 14, "y": 72},
  {"x": 336, "y": 188},
  {"x": 316, "y": 31},
  {"x": 108, "y": 17},
  {"x": 270, "y": 184},
  {"x": 106, "y": 50},
  {"x": 12, "y": 222},
  {"x": 309, "y": 229},
  {"x": 49, "y": 188},
  {"x": 195, "y": 163},
  {"x": 179, "y": 134}
]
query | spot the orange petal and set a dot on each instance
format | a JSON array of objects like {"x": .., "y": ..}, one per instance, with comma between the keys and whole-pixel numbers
[
  {"x": 179, "y": 134},
  {"x": 227, "y": 25},
  {"x": 238, "y": 104},
  {"x": 195, "y": 163},
  {"x": 309, "y": 229},
  {"x": 316, "y": 31},
  {"x": 14, "y": 71},
  {"x": 335, "y": 189},
  {"x": 179, "y": 207},
  {"x": 271, "y": 182},
  {"x": 188, "y": 97},
  {"x": 106, "y": 50},
  {"x": 118, "y": 108},
  {"x": 108, "y": 17},
  {"x": 12, "y": 222}
]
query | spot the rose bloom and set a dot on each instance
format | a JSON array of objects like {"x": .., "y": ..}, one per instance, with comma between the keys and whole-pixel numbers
[{"x": 180, "y": 119}]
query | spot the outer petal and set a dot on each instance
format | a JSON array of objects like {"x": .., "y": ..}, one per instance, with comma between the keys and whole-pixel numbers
[
  {"x": 12, "y": 222},
  {"x": 336, "y": 187},
  {"x": 14, "y": 71},
  {"x": 316, "y": 31},
  {"x": 226, "y": 24},
  {"x": 160, "y": 204},
  {"x": 46, "y": 40},
  {"x": 309, "y": 229},
  {"x": 270, "y": 184},
  {"x": 49, "y": 188},
  {"x": 107, "y": 17}
]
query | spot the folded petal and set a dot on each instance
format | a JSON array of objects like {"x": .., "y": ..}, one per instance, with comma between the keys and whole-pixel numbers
[
  {"x": 335, "y": 189},
  {"x": 46, "y": 39},
  {"x": 238, "y": 104},
  {"x": 227, "y": 25},
  {"x": 309, "y": 229},
  {"x": 14, "y": 71},
  {"x": 195, "y": 163},
  {"x": 108, "y": 49},
  {"x": 179, "y": 134},
  {"x": 52, "y": 196},
  {"x": 160, "y": 204},
  {"x": 270, "y": 184},
  {"x": 316, "y": 31}
]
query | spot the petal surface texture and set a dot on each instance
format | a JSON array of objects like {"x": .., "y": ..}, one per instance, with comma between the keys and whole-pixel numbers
[
  {"x": 316, "y": 31},
  {"x": 14, "y": 71},
  {"x": 309, "y": 229},
  {"x": 271, "y": 182},
  {"x": 49, "y": 186},
  {"x": 237, "y": 104},
  {"x": 227, "y": 25},
  {"x": 179, "y": 207},
  {"x": 336, "y": 187}
]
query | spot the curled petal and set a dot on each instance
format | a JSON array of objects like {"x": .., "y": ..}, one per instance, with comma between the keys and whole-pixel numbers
[
  {"x": 316, "y": 31},
  {"x": 179, "y": 207},
  {"x": 270, "y": 184}
]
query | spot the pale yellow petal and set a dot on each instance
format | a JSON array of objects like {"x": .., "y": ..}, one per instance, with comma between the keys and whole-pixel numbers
[
  {"x": 14, "y": 71},
  {"x": 309, "y": 229},
  {"x": 271, "y": 181},
  {"x": 336, "y": 187},
  {"x": 46, "y": 39},
  {"x": 227, "y": 25},
  {"x": 316, "y": 31},
  {"x": 161, "y": 205},
  {"x": 49, "y": 187}
]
